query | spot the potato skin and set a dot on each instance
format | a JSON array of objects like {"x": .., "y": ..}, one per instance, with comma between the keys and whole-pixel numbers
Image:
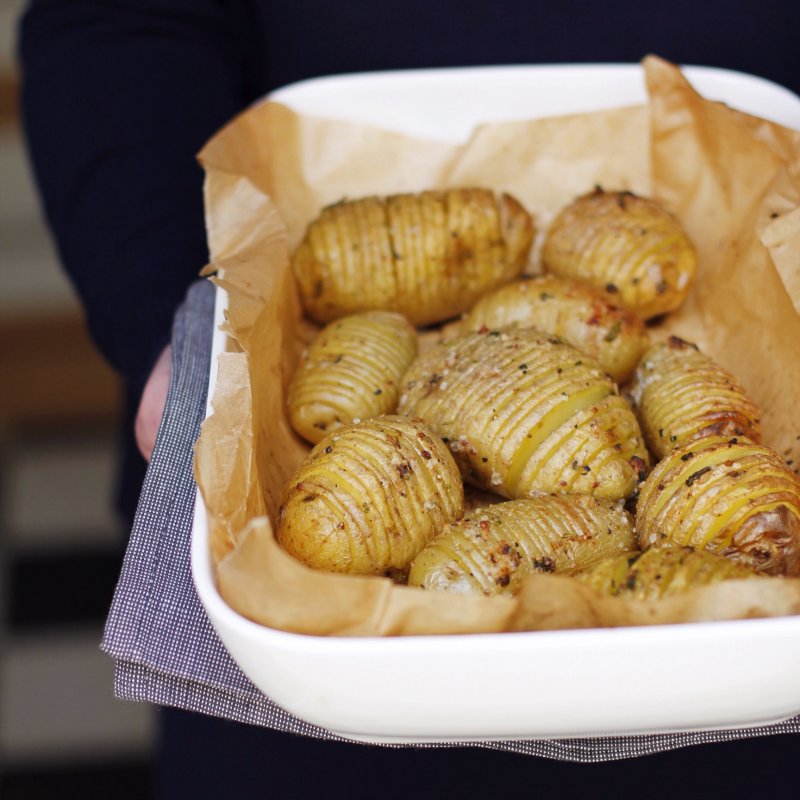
[
  {"x": 626, "y": 241},
  {"x": 680, "y": 394},
  {"x": 525, "y": 413},
  {"x": 492, "y": 550},
  {"x": 726, "y": 495},
  {"x": 588, "y": 318},
  {"x": 429, "y": 256},
  {"x": 369, "y": 497},
  {"x": 352, "y": 370},
  {"x": 661, "y": 572}
]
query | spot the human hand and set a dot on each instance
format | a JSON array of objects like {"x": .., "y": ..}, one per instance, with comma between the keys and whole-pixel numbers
[{"x": 151, "y": 406}]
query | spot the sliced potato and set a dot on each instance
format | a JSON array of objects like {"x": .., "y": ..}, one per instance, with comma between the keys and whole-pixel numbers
[
  {"x": 369, "y": 497},
  {"x": 491, "y": 550},
  {"x": 525, "y": 413},
  {"x": 680, "y": 394},
  {"x": 661, "y": 572},
  {"x": 727, "y": 495},
  {"x": 351, "y": 371},
  {"x": 586, "y": 317},
  {"x": 622, "y": 240},
  {"x": 429, "y": 256}
]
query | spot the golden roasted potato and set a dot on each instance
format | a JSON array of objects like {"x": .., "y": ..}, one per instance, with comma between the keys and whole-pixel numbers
[
  {"x": 727, "y": 495},
  {"x": 586, "y": 317},
  {"x": 680, "y": 394},
  {"x": 624, "y": 241},
  {"x": 369, "y": 497},
  {"x": 525, "y": 413},
  {"x": 492, "y": 550},
  {"x": 661, "y": 572},
  {"x": 429, "y": 256},
  {"x": 351, "y": 371}
]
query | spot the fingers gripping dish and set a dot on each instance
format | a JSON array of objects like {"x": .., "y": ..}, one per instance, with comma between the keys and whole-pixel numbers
[
  {"x": 351, "y": 371},
  {"x": 490, "y": 551},
  {"x": 586, "y": 317},
  {"x": 429, "y": 256},
  {"x": 622, "y": 240},
  {"x": 680, "y": 394},
  {"x": 525, "y": 413},
  {"x": 727, "y": 495},
  {"x": 369, "y": 497}
]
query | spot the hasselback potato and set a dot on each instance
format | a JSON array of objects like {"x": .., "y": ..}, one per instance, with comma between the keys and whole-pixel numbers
[
  {"x": 369, "y": 497},
  {"x": 429, "y": 256},
  {"x": 526, "y": 413},
  {"x": 490, "y": 551},
  {"x": 661, "y": 572},
  {"x": 588, "y": 318},
  {"x": 680, "y": 394},
  {"x": 727, "y": 495},
  {"x": 352, "y": 370},
  {"x": 626, "y": 242}
]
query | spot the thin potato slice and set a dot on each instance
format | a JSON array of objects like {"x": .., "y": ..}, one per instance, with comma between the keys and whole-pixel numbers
[
  {"x": 492, "y": 550},
  {"x": 428, "y": 256},
  {"x": 525, "y": 413},
  {"x": 729, "y": 496},
  {"x": 369, "y": 497},
  {"x": 586, "y": 317},
  {"x": 351, "y": 371},
  {"x": 680, "y": 394},
  {"x": 622, "y": 240},
  {"x": 661, "y": 572}
]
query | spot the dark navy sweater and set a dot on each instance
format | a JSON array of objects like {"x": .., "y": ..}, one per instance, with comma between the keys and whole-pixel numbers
[{"x": 119, "y": 95}]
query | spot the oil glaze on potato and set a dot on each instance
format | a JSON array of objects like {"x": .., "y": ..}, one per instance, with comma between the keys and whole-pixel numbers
[
  {"x": 491, "y": 550},
  {"x": 369, "y": 497},
  {"x": 526, "y": 413},
  {"x": 726, "y": 495},
  {"x": 351, "y": 371},
  {"x": 680, "y": 394},
  {"x": 588, "y": 318},
  {"x": 624, "y": 241},
  {"x": 429, "y": 256},
  {"x": 661, "y": 572}
]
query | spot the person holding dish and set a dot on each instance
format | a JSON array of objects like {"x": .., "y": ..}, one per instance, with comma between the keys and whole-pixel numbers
[{"x": 118, "y": 98}]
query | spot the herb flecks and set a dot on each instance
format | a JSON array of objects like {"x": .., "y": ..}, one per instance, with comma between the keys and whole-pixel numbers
[
  {"x": 695, "y": 476},
  {"x": 613, "y": 332}
]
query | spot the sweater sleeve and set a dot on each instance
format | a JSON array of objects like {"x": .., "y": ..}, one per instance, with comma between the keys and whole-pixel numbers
[{"x": 117, "y": 99}]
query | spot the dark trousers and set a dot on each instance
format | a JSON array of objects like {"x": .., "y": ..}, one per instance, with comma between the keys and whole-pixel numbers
[{"x": 203, "y": 757}]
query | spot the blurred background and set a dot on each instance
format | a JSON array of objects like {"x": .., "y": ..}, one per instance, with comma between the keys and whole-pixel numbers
[{"x": 61, "y": 730}]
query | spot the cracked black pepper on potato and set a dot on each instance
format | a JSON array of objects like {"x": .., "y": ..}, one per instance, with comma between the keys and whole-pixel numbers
[
  {"x": 680, "y": 394},
  {"x": 429, "y": 256},
  {"x": 491, "y": 551},
  {"x": 626, "y": 241},
  {"x": 588, "y": 318},
  {"x": 661, "y": 572},
  {"x": 726, "y": 495},
  {"x": 369, "y": 497},
  {"x": 352, "y": 370},
  {"x": 526, "y": 413}
]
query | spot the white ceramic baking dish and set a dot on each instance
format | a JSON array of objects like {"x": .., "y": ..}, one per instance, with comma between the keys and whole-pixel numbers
[{"x": 523, "y": 685}]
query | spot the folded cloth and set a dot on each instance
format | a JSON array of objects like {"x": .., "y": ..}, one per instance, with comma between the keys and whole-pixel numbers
[{"x": 164, "y": 647}]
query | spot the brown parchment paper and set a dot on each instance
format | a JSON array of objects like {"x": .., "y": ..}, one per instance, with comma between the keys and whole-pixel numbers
[{"x": 732, "y": 179}]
